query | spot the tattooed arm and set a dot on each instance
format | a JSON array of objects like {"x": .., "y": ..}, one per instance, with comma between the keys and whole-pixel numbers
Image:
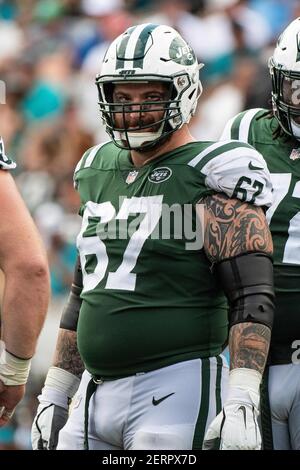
[
  {"x": 234, "y": 228},
  {"x": 238, "y": 243},
  {"x": 61, "y": 384},
  {"x": 66, "y": 355},
  {"x": 249, "y": 346},
  {"x": 63, "y": 377}
]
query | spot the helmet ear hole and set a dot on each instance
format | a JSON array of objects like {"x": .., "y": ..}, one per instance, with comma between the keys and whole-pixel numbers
[
  {"x": 173, "y": 92},
  {"x": 192, "y": 94},
  {"x": 108, "y": 91}
]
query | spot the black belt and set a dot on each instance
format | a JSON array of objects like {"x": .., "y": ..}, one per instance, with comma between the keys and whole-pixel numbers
[
  {"x": 265, "y": 413},
  {"x": 91, "y": 388}
]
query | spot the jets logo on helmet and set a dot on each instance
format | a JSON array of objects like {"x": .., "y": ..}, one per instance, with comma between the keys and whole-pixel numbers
[
  {"x": 147, "y": 53},
  {"x": 181, "y": 52},
  {"x": 127, "y": 72}
]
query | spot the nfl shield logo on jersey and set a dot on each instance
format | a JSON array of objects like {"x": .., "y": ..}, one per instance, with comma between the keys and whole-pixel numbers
[
  {"x": 295, "y": 154},
  {"x": 131, "y": 177}
]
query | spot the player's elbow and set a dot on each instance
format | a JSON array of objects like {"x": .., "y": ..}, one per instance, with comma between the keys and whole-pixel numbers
[
  {"x": 33, "y": 270},
  {"x": 36, "y": 268},
  {"x": 35, "y": 280}
]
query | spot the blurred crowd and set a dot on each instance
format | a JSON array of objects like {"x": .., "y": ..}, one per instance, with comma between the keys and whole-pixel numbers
[{"x": 50, "y": 52}]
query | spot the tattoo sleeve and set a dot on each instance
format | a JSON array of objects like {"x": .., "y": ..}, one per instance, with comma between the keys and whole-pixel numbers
[
  {"x": 249, "y": 345},
  {"x": 66, "y": 355},
  {"x": 233, "y": 227}
]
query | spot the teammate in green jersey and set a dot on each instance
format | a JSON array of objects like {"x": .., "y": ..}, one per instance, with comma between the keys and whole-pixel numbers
[
  {"x": 276, "y": 134},
  {"x": 168, "y": 226}
]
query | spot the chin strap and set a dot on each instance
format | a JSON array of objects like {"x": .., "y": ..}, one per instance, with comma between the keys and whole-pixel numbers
[
  {"x": 137, "y": 139},
  {"x": 295, "y": 129}
]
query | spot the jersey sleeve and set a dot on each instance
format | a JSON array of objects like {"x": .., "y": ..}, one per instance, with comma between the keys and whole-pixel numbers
[
  {"x": 5, "y": 162},
  {"x": 88, "y": 157},
  {"x": 83, "y": 169},
  {"x": 86, "y": 161},
  {"x": 238, "y": 170}
]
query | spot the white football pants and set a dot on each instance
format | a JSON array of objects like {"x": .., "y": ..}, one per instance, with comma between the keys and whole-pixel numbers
[
  {"x": 284, "y": 397},
  {"x": 168, "y": 408}
]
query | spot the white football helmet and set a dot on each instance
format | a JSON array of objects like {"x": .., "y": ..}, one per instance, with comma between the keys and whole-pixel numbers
[
  {"x": 145, "y": 53},
  {"x": 284, "y": 67}
]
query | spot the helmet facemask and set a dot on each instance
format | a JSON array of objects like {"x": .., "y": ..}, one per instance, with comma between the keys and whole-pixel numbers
[
  {"x": 157, "y": 131},
  {"x": 286, "y": 99},
  {"x": 284, "y": 68},
  {"x": 148, "y": 53}
]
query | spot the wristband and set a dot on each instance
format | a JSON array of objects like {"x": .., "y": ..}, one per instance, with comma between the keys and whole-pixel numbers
[
  {"x": 62, "y": 381},
  {"x": 13, "y": 370}
]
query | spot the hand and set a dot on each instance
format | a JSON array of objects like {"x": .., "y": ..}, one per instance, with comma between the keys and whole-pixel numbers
[
  {"x": 10, "y": 395},
  {"x": 52, "y": 413},
  {"x": 236, "y": 427},
  {"x": 49, "y": 420}
]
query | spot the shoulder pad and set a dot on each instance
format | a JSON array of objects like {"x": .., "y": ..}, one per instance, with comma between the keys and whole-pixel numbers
[
  {"x": 238, "y": 127},
  {"x": 236, "y": 169}
]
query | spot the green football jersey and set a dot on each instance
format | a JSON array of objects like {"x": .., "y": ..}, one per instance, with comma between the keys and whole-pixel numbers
[
  {"x": 149, "y": 297},
  {"x": 283, "y": 159}
]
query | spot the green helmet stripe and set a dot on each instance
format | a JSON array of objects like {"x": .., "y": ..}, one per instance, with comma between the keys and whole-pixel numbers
[
  {"x": 122, "y": 48},
  {"x": 139, "y": 51}
]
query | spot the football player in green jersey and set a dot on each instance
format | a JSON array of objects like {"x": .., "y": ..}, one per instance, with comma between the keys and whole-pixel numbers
[
  {"x": 276, "y": 135},
  {"x": 150, "y": 289},
  {"x": 26, "y": 290}
]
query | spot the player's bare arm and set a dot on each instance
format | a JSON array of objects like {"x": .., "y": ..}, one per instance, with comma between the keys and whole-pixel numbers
[
  {"x": 60, "y": 386},
  {"x": 63, "y": 377},
  {"x": 66, "y": 355},
  {"x": 237, "y": 241},
  {"x": 249, "y": 345},
  {"x": 24, "y": 263},
  {"x": 26, "y": 294},
  {"x": 232, "y": 229}
]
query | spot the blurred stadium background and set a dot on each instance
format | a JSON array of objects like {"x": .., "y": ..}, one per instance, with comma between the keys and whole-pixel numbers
[{"x": 50, "y": 53}]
